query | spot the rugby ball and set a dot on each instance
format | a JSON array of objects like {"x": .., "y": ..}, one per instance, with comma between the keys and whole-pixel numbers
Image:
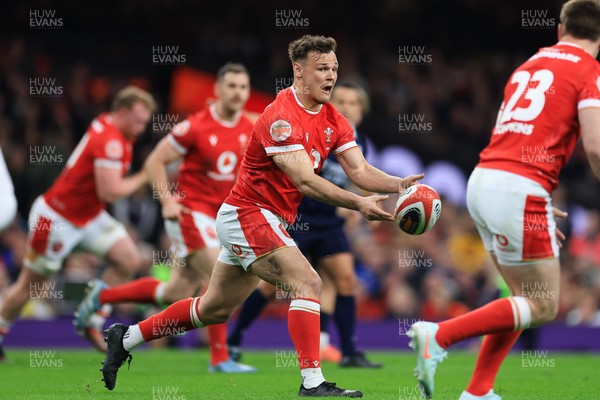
[{"x": 417, "y": 210}]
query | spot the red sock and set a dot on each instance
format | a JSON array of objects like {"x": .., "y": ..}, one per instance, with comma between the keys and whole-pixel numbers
[
  {"x": 494, "y": 350},
  {"x": 139, "y": 291},
  {"x": 173, "y": 320},
  {"x": 495, "y": 317},
  {"x": 217, "y": 339},
  {"x": 305, "y": 330}
]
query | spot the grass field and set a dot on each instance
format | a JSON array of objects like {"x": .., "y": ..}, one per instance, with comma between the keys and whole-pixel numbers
[{"x": 182, "y": 375}]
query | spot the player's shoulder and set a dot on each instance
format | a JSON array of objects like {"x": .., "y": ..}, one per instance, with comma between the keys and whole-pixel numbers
[
  {"x": 564, "y": 54},
  {"x": 102, "y": 128},
  {"x": 336, "y": 117},
  {"x": 280, "y": 109},
  {"x": 247, "y": 119},
  {"x": 199, "y": 118}
]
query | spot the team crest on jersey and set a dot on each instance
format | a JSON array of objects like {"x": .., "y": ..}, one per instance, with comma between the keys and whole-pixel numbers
[
  {"x": 280, "y": 130},
  {"x": 114, "y": 149},
  {"x": 57, "y": 247},
  {"x": 213, "y": 139},
  {"x": 181, "y": 128},
  {"x": 243, "y": 138},
  {"x": 328, "y": 132}
]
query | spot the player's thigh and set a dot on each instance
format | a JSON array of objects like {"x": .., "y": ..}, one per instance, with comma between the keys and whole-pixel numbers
[
  {"x": 289, "y": 270},
  {"x": 513, "y": 215},
  {"x": 202, "y": 262},
  {"x": 107, "y": 237},
  {"x": 50, "y": 239},
  {"x": 229, "y": 286}
]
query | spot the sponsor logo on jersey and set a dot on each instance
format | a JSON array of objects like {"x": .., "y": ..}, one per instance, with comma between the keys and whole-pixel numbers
[
  {"x": 280, "y": 130},
  {"x": 226, "y": 162},
  {"x": 114, "y": 149}
]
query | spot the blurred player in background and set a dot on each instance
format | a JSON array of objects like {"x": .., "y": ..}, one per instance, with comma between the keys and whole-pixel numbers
[
  {"x": 325, "y": 244},
  {"x": 71, "y": 213},
  {"x": 211, "y": 144},
  {"x": 549, "y": 101},
  {"x": 8, "y": 201},
  {"x": 289, "y": 143}
]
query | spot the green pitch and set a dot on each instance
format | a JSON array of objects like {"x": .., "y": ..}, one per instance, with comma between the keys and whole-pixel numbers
[{"x": 182, "y": 375}]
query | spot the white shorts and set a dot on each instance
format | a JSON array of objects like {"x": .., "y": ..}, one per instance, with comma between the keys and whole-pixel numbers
[
  {"x": 53, "y": 237},
  {"x": 513, "y": 215},
  {"x": 195, "y": 231},
  {"x": 249, "y": 233}
]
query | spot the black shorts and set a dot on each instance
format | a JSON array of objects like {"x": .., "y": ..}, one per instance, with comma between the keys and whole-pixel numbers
[{"x": 319, "y": 243}]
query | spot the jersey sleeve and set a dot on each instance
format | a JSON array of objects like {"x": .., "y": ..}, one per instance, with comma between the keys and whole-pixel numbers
[
  {"x": 345, "y": 139},
  {"x": 107, "y": 150},
  {"x": 279, "y": 135},
  {"x": 182, "y": 136},
  {"x": 589, "y": 95}
]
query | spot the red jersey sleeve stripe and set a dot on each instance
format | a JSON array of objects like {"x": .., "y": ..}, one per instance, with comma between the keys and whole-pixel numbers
[
  {"x": 176, "y": 145},
  {"x": 345, "y": 147},
  {"x": 585, "y": 103},
  {"x": 283, "y": 149}
]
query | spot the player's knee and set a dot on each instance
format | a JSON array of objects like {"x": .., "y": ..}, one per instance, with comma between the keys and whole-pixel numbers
[
  {"x": 221, "y": 315},
  {"x": 313, "y": 285},
  {"x": 130, "y": 263},
  {"x": 346, "y": 284},
  {"x": 550, "y": 311},
  {"x": 546, "y": 311}
]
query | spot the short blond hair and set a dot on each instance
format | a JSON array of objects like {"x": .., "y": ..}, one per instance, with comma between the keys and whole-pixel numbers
[{"x": 130, "y": 95}]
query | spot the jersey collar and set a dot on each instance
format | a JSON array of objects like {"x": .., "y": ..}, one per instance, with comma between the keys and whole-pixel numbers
[
  {"x": 227, "y": 124},
  {"x": 302, "y": 106},
  {"x": 569, "y": 44}
]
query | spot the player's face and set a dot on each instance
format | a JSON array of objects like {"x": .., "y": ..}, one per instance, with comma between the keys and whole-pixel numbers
[
  {"x": 318, "y": 75},
  {"x": 233, "y": 90},
  {"x": 347, "y": 102},
  {"x": 135, "y": 119}
]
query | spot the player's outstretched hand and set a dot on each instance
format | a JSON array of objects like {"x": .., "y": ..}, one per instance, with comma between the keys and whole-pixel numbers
[
  {"x": 559, "y": 234},
  {"x": 410, "y": 180},
  {"x": 172, "y": 209},
  {"x": 369, "y": 208}
]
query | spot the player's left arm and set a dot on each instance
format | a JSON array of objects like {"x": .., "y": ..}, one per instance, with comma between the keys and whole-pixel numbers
[
  {"x": 112, "y": 186},
  {"x": 369, "y": 178}
]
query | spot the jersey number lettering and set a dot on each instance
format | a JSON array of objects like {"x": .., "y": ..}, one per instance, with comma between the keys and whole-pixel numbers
[{"x": 536, "y": 94}]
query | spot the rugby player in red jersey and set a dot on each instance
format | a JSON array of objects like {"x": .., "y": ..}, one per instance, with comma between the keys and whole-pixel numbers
[
  {"x": 549, "y": 101},
  {"x": 71, "y": 213},
  {"x": 211, "y": 144},
  {"x": 290, "y": 141}
]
